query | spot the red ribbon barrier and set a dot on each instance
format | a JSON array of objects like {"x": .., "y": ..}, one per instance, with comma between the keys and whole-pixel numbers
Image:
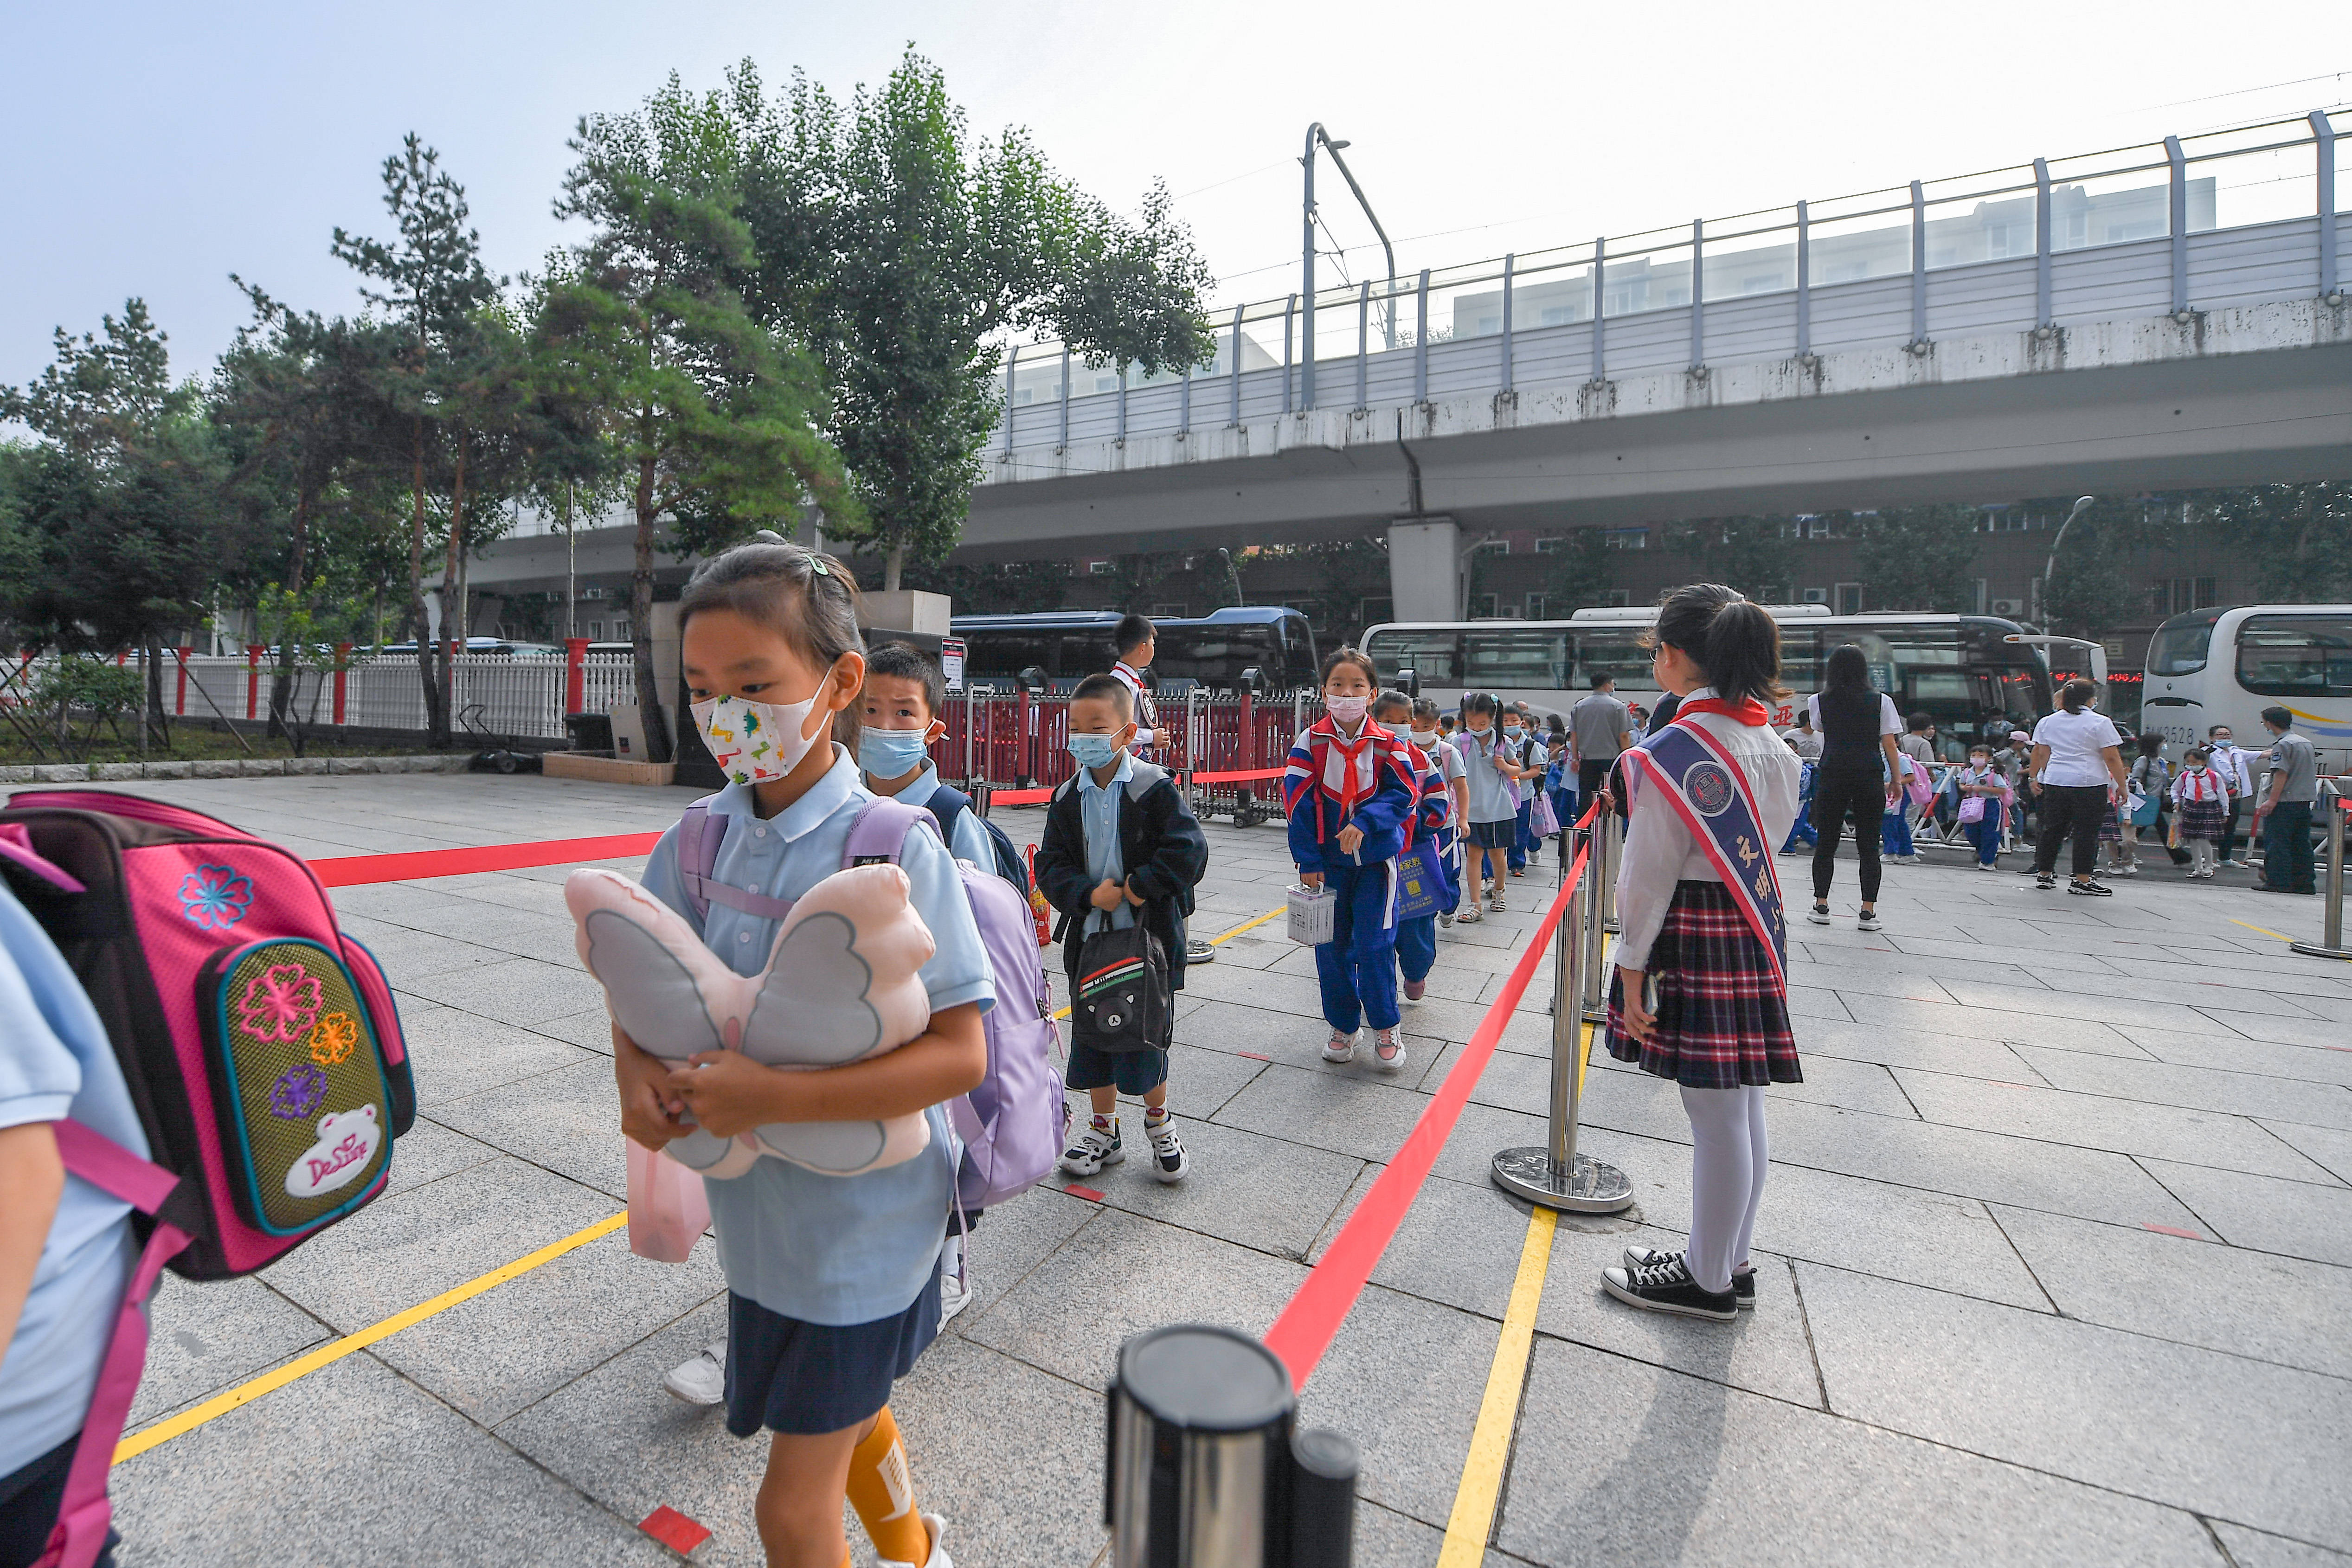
[
  {"x": 1307, "y": 1325},
  {"x": 1237, "y": 778},
  {"x": 353, "y": 870}
]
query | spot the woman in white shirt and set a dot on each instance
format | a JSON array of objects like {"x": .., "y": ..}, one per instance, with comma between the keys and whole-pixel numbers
[
  {"x": 2078, "y": 771},
  {"x": 1700, "y": 994}
]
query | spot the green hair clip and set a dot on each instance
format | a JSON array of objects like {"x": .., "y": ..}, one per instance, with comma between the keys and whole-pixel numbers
[{"x": 817, "y": 565}]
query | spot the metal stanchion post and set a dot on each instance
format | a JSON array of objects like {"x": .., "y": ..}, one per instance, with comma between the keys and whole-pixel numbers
[
  {"x": 1613, "y": 831},
  {"x": 2331, "y": 920},
  {"x": 1555, "y": 1174},
  {"x": 1601, "y": 874}
]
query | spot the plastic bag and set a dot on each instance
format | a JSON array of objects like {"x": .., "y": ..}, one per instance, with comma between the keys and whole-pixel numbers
[
  {"x": 668, "y": 1210},
  {"x": 1542, "y": 821}
]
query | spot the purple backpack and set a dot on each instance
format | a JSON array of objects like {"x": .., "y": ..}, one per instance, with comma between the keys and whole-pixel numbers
[{"x": 1012, "y": 1124}]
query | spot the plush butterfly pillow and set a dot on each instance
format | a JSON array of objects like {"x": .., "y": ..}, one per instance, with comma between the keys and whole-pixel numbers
[{"x": 840, "y": 984}]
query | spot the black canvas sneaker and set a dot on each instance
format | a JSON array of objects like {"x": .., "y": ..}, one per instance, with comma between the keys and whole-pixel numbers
[
  {"x": 1668, "y": 1287},
  {"x": 1743, "y": 1280}
]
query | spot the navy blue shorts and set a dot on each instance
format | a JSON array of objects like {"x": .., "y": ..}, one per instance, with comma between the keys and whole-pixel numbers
[
  {"x": 1130, "y": 1072},
  {"x": 1495, "y": 835},
  {"x": 808, "y": 1379}
]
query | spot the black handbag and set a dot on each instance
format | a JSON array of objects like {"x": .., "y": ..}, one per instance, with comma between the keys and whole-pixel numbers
[{"x": 1122, "y": 1000}]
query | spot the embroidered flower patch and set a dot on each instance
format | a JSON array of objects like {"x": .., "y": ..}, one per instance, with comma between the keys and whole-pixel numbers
[
  {"x": 215, "y": 897},
  {"x": 334, "y": 1040},
  {"x": 280, "y": 1002},
  {"x": 298, "y": 1093}
]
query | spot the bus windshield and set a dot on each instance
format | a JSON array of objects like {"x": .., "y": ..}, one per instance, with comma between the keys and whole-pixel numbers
[
  {"x": 2181, "y": 644},
  {"x": 2296, "y": 656}
]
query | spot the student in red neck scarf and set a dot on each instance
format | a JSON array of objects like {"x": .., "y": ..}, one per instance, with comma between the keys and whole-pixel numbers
[
  {"x": 1348, "y": 788},
  {"x": 1701, "y": 991}
]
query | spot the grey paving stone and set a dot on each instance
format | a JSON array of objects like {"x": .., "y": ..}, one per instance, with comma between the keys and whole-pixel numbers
[
  {"x": 2199, "y": 1293},
  {"x": 1978, "y": 1024},
  {"x": 203, "y": 1338},
  {"x": 1339, "y": 1112},
  {"x": 2224, "y": 1048},
  {"x": 1403, "y": 1378},
  {"x": 2254, "y": 1548},
  {"x": 1970, "y": 1056},
  {"x": 409, "y": 1246},
  {"x": 519, "y": 991},
  {"x": 429, "y": 1151},
  {"x": 2043, "y": 964},
  {"x": 1811, "y": 1002},
  {"x": 1458, "y": 1245},
  {"x": 2074, "y": 1399},
  {"x": 2206, "y": 1089},
  {"x": 2258, "y": 1026},
  {"x": 2328, "y": 1147},
  {"x": 509, "y": 1347},
  {"x": 1906, "y": 975},
  {"x": 1619, "y": 1462},
  {"x": 1130, "y": 1274},
  {"x": 1387, "y": 1538},
  {"x": 2101, "y": 1003},
  {"x": 568, "y": 1121},
  {"x": 1259, "y": 1191},
  {"x": 2296, "y": 1218},
  {"x": 1009, "y": 1241},
  {"x": 407, "y": 955},
  {"x": 457, "y": 1055},
  {"x": 329, "y": 1471},
  {"x": 590, "y": 1029},
  {"x": 2098, "y": 1122}
]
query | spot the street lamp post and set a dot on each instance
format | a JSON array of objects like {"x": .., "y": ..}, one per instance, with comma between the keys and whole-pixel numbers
[
  {"x": 1234, "y": 571},
  {"x": 1315, "y": 133},
  {"x": 2082, "y": 505}
]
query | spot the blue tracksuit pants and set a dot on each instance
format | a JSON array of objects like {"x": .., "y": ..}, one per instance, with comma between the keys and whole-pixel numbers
[
  {"x": 1358, "y": 966},
  {"x": 1524, "y": 839}
]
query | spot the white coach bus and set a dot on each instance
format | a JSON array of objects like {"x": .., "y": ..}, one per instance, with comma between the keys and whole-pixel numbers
[
  {"x": 2225, "y": 666},
  {"x": 1955, "y": 668}
]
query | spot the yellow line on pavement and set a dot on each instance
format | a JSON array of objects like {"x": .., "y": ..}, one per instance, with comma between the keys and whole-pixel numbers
[
  {"x": 1473, "y": 1519},
  {"x": 2264, "y": 929},
  {"x": 335, "y": 1350}
]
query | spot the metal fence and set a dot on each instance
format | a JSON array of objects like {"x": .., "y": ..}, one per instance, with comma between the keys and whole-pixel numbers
[{"x": 2229, "y": 217}]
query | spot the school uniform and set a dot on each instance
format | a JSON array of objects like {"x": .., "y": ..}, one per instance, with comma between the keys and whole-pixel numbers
[
  {"x": 1138, "y": 690},
  {"x": 833, "y": 1281},
  {"x": 1416, "y": 939},
  {"x": 1136, "y": 831},
  {"x": 1985, "y": 832},
  {"x": 2236, "y": 767},
  {"x": 1523, "y": 841},
  {"x": 1368, "y": 783},
  {"x": 1493, "y": 816},
  {"x": 967, "y": 839}
]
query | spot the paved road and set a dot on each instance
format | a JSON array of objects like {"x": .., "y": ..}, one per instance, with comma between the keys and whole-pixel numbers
[{"x": 2057, "y": 1255}]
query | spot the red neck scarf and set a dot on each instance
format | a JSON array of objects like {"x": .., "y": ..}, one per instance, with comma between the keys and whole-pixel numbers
[
  {"x": 1355, "y": 780},
  {"x": 1750, "y": 712}
]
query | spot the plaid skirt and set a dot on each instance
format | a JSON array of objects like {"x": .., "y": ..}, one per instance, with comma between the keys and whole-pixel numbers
[
  {"x": 2203, "y": 819},
  {"x": 1723, "y": 1020},
  {"x": 2111, "y": 829}
]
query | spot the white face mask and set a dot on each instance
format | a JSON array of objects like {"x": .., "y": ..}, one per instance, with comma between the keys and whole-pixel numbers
[
  {"x": 754, "y": 743},
  {"x": 1347, "y": 711},
  {"x": 1424, "y": 737}
]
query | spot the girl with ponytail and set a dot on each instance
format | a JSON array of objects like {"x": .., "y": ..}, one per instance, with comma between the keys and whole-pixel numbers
[{"x": 1700, "y": 993}]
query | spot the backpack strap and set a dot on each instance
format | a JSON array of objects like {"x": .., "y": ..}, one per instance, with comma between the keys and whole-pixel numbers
[
  {"x": 880, "y": 830},
  {"x": 84, "y": 1513},
  {"x": 700, "y": 832},
  {"x": 947, "y": 806}
]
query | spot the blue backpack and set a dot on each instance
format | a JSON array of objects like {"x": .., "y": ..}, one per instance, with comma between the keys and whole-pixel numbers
[{"x": 948, "y": 804}]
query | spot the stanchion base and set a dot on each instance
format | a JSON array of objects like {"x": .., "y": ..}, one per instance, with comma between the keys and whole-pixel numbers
[
  {"x": 2315, "y": 950},
  {"x": 1591, "y": 1187}
]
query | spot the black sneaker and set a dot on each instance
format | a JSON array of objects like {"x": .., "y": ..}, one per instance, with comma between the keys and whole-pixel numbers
[
  {"x": 2089, "y": 889},
  {"x": 2045, "y": 882},
  {"x": 1743, "y": 1280},
  {"x": 1819, "y": 914},
  {"x": 1668, "y": 1287}
]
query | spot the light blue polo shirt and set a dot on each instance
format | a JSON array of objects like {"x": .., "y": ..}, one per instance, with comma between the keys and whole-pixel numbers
[
  {"x": 830, "y": 1249},
  {"x": 970, "y": 841},
  {"x": 1491, "y": 797},
  {"x": 55, "y": 1062},
  {"x": 1098, "y": 820}
]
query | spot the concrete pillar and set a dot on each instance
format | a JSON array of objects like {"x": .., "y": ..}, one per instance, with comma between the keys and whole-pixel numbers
[{"x": 1425, "y": 569}]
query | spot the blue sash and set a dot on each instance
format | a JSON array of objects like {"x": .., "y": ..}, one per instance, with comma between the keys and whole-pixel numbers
[{"x": 1707, "y": 789}]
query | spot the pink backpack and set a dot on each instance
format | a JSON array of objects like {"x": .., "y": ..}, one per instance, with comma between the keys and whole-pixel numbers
[
  {"x": 1011, "y": 1126},
  {"x": 260, "y": 1046}
]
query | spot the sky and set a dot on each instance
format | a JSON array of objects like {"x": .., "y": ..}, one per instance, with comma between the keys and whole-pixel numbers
[{"x": 153, "y": 149}]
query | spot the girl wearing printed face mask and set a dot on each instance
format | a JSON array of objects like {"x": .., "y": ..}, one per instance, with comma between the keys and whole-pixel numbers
[
  {"x": 832, "y": 1282},
  {"x": 1347, "y": 788}
]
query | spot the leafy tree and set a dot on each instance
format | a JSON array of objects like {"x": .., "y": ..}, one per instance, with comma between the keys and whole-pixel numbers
[
  {"x": 1581, "y": 572},
  {"x": 993, "y": 588},
  {"x": 903, "y": 249},
  {"x": 2091, "y": 590},
  {"x": 432, "y": 281},
  {"x": 714, "y": 417},
  {"x": 2297, "y": 538},
  {"x": 1347, "y": 572},
  {"x": 1133, "y": 582},
  {"x": 1919, "y": 557},
  {"x": 1755, "y": 556}
]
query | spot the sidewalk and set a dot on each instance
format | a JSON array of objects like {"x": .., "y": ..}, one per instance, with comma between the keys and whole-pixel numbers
[{"x": 2056, "y": 1256}]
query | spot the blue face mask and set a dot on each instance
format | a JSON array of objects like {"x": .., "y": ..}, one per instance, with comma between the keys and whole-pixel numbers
[
  {"x": 1094, "y": 751},
  {"x": 890, "y": 753}
]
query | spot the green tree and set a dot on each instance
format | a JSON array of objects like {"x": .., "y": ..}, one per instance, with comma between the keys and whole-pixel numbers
[
  {"x": 1755, "y": 556},
  {"x": 1581, "y": 572},
  {"x": 994, "y": 587},
  {"x": 2091, "y": 589},
  {"x": 1919, "y": 557},
  {"x": 432, "y": 279},
  {"x": 1347, "y": 572},
  {"x": 2297, "y": 538},
  {"x": 903, "y": 249},
  {"x": 714, "y": 417}
]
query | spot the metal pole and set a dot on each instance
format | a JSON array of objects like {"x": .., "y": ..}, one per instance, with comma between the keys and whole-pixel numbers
[
  {"x": 1698, "y": 296},
  {"x": 1612, "y": 839},
  {"x": 1184, "y": 405},
  {"x": 2042, "y": 244},
  {"x": 1122, "y": 402},
  {"x": 1553, "y": 1174},
  {"x": 1349, "y": 175},
  {"x": 1599, "y": 307},
  {"x": 1364, "y": 336},
  {"x": 2323, "y": 136},
  {"x": 2177, "y": 215},
  {"x": 1237, "y": 364},
  {"x": 1595, "y": 996},
  {"x": 1012, "y": 364},
  {"x": 1065, "y": 400},
  {"x": 570, "y": 569},
  {"x": 1509, "y": 264},
  {"x": 1289, "y": 320},
  {"x": 1421, "y": 345},
  {"x": 1804, "y": 283},
  {"x": 1306, "y": 270},
  {"x": 2331, "y": 919},
  {"x": 1918, "y": 344}
]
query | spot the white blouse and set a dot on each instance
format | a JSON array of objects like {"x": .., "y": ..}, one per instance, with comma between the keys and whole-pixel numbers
[{"x": 1660, "y": 850}]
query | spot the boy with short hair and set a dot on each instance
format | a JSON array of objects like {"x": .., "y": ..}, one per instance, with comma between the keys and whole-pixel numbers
[
  {"x": 1138, "y": 641},
  {"x": 899, "y": 723},
  {"x": 1416, "y": 939},
  {"x": 1120, "y": 849}
]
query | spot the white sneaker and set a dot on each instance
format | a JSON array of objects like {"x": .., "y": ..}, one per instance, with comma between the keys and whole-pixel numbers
[
  {"x": 955, "y": 1295},
  {"x": 1339, "y": 1048},
  {"x": 936, "y": 1527},
  {"x": 1867, "y": 921},
  {"x": 1387, "y": 1053},
  {"x": 1167, "y": 1161},
  {"x": 1096, "y": 1145},
  {"x": 1987, "y": 865},
  {"x": 703, "y": 1379}
]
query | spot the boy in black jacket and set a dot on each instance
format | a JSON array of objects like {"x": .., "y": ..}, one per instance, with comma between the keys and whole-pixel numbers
[{"x": 1122, "y": 848}]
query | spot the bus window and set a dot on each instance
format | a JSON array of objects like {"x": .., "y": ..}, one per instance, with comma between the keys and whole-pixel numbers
[
  {"x": 1435, "y": 657},
  {"x": 1000, "y": 657},
  {"x": 2295, "y": 655},
  {"x": 2182, "y": 647},
  {"x": 1517, "y": 660},
  {"x": 1083, "y": 654},
  {"x": 1216, "y": 655},
  {"x": 1615, "y": 652}
]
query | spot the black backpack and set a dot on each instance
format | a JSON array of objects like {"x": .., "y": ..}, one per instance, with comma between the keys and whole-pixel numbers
[
  {"x": 1121, "y": 1001},
  {"x": 947, "y": 803}
]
